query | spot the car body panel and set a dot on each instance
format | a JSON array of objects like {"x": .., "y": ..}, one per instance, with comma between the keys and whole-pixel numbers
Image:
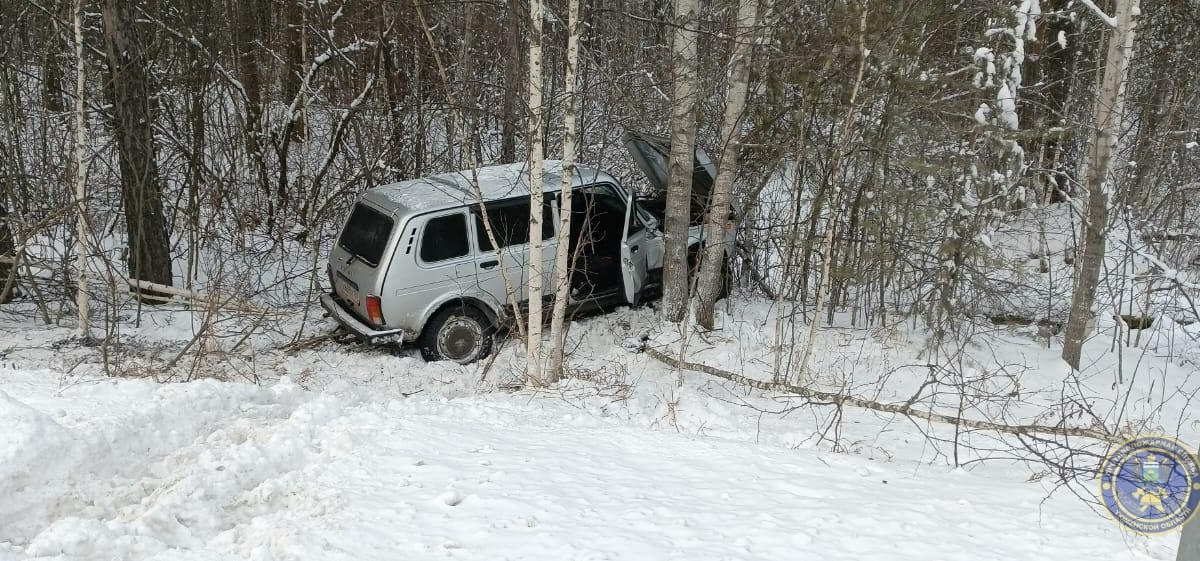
[
  {"x": 497, "y": 270},
  {"x": 417, "y": 284},
  {"x": 633, "y": 257}
]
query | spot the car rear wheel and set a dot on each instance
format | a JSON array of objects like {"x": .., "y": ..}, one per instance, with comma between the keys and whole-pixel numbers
[{"x": 461, "y": 334}]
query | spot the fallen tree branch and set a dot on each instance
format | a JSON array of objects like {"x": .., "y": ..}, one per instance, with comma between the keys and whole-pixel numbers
[
  {"x": 1172, "y": 236},
  {"x": 901, "y": 409},
  {"x": 194, "y": 298}
]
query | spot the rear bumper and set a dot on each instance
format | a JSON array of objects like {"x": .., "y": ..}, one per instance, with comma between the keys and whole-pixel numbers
[{"x": 361, "y": 330}]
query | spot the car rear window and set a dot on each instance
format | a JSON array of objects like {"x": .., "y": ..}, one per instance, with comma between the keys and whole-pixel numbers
[{"x": 366, "y": 234}]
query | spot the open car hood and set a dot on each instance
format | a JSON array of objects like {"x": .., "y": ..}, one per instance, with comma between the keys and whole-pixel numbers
[{"x": 651, "y": 154}]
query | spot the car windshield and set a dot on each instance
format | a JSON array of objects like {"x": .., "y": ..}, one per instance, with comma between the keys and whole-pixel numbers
[{"x": 366, "y": 234}]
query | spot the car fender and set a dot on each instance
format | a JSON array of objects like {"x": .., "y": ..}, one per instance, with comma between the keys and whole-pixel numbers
[{"x": 476, "y": 298}]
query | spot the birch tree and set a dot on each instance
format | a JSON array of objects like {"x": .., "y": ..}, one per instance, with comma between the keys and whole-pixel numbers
[
  {"x": 79, "y": 173},
  {"x": 1108, "y": 117},
  {"x": 681, "y": 167},
  {"x": 712, "y": 277},
  {"x": 533, "y": 374},
  {"x": 562, "y": 257}
]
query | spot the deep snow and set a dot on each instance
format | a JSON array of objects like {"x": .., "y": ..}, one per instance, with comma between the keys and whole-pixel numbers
[{"x": 212, "y": 470}]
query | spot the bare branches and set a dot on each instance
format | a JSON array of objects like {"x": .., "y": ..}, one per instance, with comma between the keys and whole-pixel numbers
[{"x": 907, "y": 409}]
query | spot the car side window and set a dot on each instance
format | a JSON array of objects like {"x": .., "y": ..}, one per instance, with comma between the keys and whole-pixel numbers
[
  {"x": 445, "y": 237},
  {"x": 510, "y": 223}
]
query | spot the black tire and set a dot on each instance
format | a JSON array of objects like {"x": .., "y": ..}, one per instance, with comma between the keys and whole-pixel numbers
[{"x": 459, "y": 333}]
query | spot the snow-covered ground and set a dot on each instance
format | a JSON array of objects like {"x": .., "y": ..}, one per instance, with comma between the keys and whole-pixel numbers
[
  {"x": 345, "y": 453},
  {"x": 214, "y": 470}
]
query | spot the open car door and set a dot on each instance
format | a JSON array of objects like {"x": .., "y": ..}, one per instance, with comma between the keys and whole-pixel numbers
[
  {"x": 652, "y": 154},
  {"x": 633, "y": 252}
]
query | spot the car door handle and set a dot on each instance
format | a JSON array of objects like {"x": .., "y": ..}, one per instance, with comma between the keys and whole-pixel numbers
[{"x": 489, "y": 264}]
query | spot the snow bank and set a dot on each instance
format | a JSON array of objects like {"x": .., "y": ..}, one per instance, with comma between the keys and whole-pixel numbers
[
  {"x": 53, "y": 470},
  {"x": 34, "y": 451}
]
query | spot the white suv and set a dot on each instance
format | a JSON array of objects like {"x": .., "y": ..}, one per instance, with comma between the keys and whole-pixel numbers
[{"x": 414, "y": 262}]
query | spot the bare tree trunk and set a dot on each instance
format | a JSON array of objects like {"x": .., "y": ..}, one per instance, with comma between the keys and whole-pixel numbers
[
  {"x": 1110, "y": 111},
  {"x": 683, "y": 143},
  {"x": 784, "y": 322},
  {"x": 562, "y": 257},
  {"x": 537, "y": 162},
  {"x": 512, "y": 77},
  {"x": 294, "y": 20},
  {"x": 712, "y": 270},
  {"x": 141, "y": 190},
  {"x": 399, "y": 86},
  {"x": 52, "y": 86},
  {"x": 79, "y": 169},
  {"x": 246, "y": 38},
  {"x": 8, "y": 259},
  {"x": 197, "y": 119}
]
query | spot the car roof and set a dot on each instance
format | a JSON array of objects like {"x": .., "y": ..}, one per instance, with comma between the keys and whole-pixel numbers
[{"x": 455, "y": 189}]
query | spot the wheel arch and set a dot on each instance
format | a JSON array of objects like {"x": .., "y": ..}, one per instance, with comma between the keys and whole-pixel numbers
[{"x": 460, "y": 300}]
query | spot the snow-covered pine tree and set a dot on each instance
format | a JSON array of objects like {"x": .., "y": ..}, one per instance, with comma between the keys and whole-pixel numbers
[{"x": 983, "y": 173}]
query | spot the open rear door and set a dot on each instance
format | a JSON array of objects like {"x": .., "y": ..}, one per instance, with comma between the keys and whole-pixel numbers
[{"x": 633, "y": 253}]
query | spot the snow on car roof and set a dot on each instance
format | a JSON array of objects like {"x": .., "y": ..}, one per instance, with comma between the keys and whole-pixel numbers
[{"x": 449, "y": 190}]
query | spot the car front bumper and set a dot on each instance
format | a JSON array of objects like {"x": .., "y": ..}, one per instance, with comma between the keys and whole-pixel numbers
[{"x": 364, "y": 332}]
